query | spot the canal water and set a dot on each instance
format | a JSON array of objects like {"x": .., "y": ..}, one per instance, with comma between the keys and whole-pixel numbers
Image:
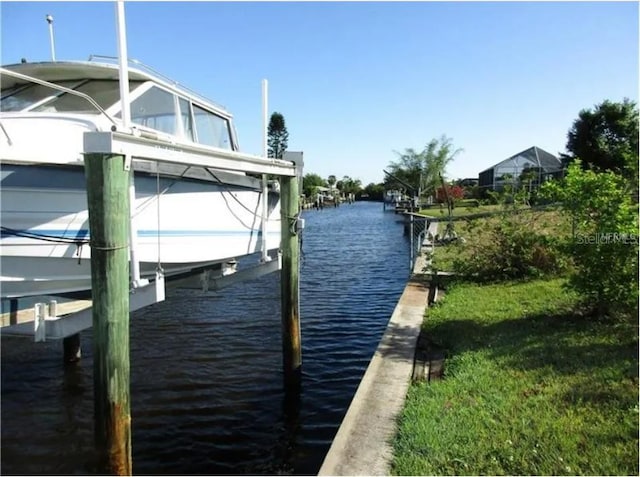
[{"x": 206, "y": 371}]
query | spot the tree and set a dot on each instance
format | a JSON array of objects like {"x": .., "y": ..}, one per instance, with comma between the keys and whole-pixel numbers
[
  {"x": 374, "y": 191},
  {"x": 604, "y": 242},
  {"x": 348, "y": 185},
  {"x": 331, "y": 180},
  {"x": 406, "y": 171},
  {"x": 606, "y": 138},
  {"x": 310, "y": 182},
  {"x": 277, "y": 136},
  {"x": 438, "y": 154},
  {"x": 422, "y": 170},
  {"x": 454, "y": 192}
]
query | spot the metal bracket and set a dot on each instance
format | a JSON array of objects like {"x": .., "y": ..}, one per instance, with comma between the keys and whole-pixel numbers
[
  {"x": 42, "y": 313},
  {"x": 216, "y": 279},
  {"x": 39, "y": 327},
  {"x": 133, "y": 285},
  {"x": 127, "y": 162},
  {"x": 48, "y": 325}
]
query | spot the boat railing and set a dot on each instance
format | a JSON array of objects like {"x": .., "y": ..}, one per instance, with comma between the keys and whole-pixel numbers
[
  {"x": 57, "y": 87},
  {"x": 156, "y": 146},
  {"x": 152, "y": 71}
]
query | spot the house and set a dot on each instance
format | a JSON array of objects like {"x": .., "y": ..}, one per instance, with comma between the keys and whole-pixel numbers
[{"x": 530, "y": 167}]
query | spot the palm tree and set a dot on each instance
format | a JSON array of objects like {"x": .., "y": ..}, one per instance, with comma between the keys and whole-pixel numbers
[
  {"x": 436, "y": 156},
  {"x": 422, "y": 170}
]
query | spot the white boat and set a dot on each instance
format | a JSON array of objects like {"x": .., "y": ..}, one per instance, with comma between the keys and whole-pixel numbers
[
  {"x": 393, "y": 197},
  {"x": 185, "y": 217}
]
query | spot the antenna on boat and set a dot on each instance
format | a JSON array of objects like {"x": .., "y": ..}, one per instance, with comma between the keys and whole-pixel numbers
[
  {"x": 265, "y": 184},
  {"x": 124, "y": 63},
  {"x": 134, "y": 268},
  {"x": 49, "y": 19}
]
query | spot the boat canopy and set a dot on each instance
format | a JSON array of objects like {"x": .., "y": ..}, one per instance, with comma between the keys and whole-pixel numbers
[{"x": 154, "y": 103}]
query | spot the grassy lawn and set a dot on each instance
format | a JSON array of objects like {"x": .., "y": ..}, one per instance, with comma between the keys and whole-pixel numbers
[
  {"x": 529, "y": 388},
  {"x": 461, "y": 210}
]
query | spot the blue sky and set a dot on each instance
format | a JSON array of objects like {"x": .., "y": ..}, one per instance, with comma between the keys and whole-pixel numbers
[{"x": 358, "y": 81}]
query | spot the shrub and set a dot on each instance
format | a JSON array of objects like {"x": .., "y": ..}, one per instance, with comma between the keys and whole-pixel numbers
[
  {"x": 474, "y": 192},
  {"x": 455, "y": 193},
  {"x": 604, "y": 241},
  {"x": 494, "y": 197},
  {"x": 511, "y": 248}
]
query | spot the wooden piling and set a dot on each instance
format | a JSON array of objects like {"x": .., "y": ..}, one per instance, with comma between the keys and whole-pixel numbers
[
  {"x": 289, "y": 282},
  {"x": 108, "y": 201},
  {"x": 72, "y": 351},
  {"x": 13, "y": 312}
]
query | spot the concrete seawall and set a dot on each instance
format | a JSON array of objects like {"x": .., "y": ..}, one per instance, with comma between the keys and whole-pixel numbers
[{"x": 362, "y": 445}]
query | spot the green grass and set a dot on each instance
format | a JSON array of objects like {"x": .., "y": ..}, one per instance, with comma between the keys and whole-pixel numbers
[
  {"x": 459, "y": 211},
  {"x": 529, "y": 388}
]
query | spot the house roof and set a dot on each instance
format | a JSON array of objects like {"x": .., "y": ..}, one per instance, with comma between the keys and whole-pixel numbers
[{"x": 548, "y": 162}]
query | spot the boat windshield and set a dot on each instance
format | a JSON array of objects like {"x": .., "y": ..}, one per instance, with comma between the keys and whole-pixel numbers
[
  {"x": 22, "y": 97},
  {"x": 35, "y": 97},
  {"x": 154, "y": 107}
]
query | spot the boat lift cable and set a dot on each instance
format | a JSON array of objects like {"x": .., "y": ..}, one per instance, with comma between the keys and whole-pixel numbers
[
  {"x": 301, "y": 235},
  {"x": 9, "y": 141},
  {"x": 78, "y": 242},
  {"x": 408, "y": 186},
  {"x": 226, "y": 189},
  {"x": 45, "y": 237},
  {"x": 293, "y": 224},
  {"x": 248, "y": 227},
  {"x": 146, "y": 203}
]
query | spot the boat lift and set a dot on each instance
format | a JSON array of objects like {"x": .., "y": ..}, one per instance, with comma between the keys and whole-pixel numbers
[
  {"x": 135, "y": 146},
  {"x": 151, "y": 150},
  {"x": 111, "y": 359},
  {"x": 47, "y": 325}
]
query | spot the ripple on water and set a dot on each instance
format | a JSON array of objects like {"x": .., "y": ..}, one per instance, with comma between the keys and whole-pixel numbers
[{"x": 206, "y": 379}]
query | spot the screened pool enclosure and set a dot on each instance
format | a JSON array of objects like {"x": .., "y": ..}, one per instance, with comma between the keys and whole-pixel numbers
[{"x": 530, "y": 168}]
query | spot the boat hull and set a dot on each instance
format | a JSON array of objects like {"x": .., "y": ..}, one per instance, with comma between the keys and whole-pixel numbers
[{"x": 181, "y": 225}]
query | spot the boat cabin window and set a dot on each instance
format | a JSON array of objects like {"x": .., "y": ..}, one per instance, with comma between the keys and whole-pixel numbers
[
  {"x": 156, "y": 109},
  {"x": 22, "y": 97},
  {"x": 103, "y": 92},
  {"x": 211, "y": 130},
  {"x": 185, "y": 114},
  {"x": 163, "y": 111}
]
